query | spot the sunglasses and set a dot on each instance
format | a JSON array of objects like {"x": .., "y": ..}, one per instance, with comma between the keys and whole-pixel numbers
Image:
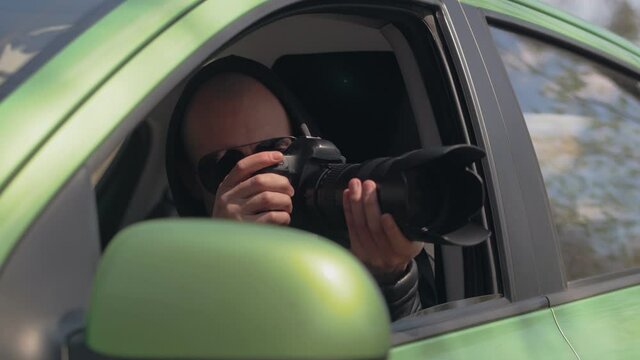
[{"x": 214, "y": 166}]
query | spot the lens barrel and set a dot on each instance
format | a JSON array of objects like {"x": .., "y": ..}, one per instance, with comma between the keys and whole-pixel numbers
[{"x": 429, "y": 193}]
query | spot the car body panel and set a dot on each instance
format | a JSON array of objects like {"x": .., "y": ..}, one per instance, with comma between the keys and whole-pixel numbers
[
  {"x": 89, "y": 124},
  {"x": 565, "y": 24},
  {"x": 529, "y": 336},
  {"x": 96, "y": 54},
  {"x": 77, "y": 115},
  {"x": 606, "y": 326}
]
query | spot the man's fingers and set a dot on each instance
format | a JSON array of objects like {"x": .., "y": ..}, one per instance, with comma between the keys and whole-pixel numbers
[
  {"x": 391, "y": 229},
  {"x": 246, "y": 167},
  {"x": 355, "y": 200},
  {"x": 268, "y": 201},
  {"x": 359, "y": 221},
  {"x": 261, "y": 183},
  {"x": 272, "y": 217},
  {"x": 356, "y": 246},
  {"x": 372, "y": 211},
  {"x": 375, "y": 239},
  {"x": 400, "y": 244}
]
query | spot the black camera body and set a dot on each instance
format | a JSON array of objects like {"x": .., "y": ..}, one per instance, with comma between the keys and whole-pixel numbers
[
  {"x": 304, "y": 156},
  {"x": 431, "y": 193}
]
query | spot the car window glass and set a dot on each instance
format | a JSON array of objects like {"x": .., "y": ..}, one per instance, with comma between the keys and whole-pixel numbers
[
  {"x": 32, "y": 31},
  {"x": 584, "y": 121}
]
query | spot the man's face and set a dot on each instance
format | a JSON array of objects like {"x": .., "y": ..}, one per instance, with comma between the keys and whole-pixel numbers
[{"x": 228, "y": 111}]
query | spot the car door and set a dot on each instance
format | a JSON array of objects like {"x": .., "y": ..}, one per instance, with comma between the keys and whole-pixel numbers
[
  {"x": 49, "y": 242},
  {"x": 517, "y": 321},
  {"x": 578, "y": 91},
  {"x": 530, "y": 261}
]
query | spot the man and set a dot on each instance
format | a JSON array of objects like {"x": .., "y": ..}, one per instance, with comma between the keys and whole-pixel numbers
[{"x": 232, "y": 106}]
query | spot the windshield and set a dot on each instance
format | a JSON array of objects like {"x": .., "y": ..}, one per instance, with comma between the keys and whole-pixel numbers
[{"x": 32, "y": 31}]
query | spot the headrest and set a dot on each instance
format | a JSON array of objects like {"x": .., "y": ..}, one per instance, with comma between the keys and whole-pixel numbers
[{"x": 185, "y": 203}]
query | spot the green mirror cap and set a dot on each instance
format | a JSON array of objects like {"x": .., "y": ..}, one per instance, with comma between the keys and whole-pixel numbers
[{"x": 213, "y": 289}]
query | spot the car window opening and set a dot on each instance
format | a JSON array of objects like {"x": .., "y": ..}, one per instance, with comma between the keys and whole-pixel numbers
[{"x": 352, "y": 79}]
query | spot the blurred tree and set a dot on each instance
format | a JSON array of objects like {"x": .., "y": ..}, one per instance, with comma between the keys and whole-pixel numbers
[
  {"x": 624, "y": 21},
  {"x": 619, "y": 16}
]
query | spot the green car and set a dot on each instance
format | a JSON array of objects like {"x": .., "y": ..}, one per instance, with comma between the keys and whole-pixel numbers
[{"x": 94, "y": 264}]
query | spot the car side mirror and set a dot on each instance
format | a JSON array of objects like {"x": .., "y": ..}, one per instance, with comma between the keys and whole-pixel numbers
[{"x": 212, "y": 289}]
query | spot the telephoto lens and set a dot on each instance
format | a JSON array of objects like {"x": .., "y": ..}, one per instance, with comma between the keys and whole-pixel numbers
[{"x": 431, "y": 193}]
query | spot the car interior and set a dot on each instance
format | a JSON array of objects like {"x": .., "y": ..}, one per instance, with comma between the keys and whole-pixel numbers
[{"x": 375, "y": 86}]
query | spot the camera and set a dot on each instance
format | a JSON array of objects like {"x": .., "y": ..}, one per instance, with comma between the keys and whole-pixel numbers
[{"x": 431, "y": 193}]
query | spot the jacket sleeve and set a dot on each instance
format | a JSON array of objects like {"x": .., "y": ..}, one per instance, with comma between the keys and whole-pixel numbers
[{"x": 402, "y": 296}]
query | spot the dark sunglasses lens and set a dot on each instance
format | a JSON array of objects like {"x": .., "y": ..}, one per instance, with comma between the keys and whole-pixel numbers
[
  {"x": 212, "y": 171},
  {"x": 276, "y": 144}
]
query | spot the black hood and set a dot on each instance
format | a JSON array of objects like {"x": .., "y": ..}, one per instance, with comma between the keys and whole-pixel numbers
[{"x": 185, "y": 204}]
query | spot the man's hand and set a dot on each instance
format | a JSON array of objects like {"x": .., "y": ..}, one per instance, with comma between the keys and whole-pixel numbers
[
  {"x": 264, "y": 198},
  {"x": 375, "y": 238}
]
